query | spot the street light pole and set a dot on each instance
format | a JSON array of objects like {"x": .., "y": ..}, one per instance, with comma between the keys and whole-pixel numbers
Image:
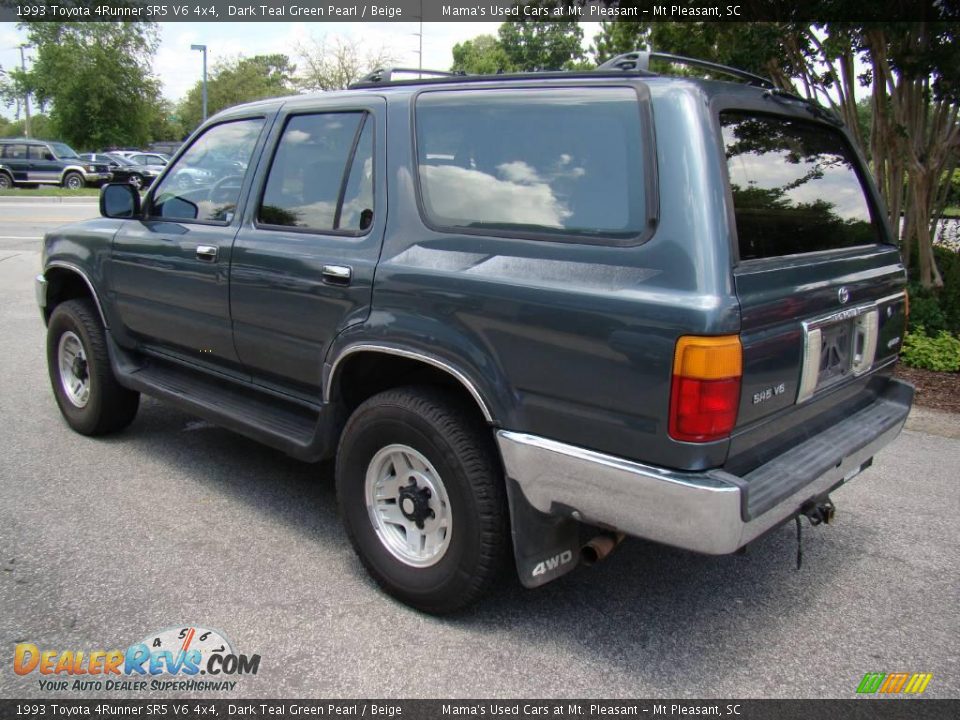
[
  {"x": 26, "y": 95},
  {"x": 203, "y": 49}
]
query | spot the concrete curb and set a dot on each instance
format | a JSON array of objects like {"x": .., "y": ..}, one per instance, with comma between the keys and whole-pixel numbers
[{"x": 82, "y": 200}]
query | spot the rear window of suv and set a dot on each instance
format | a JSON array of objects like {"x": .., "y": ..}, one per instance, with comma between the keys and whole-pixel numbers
[
  {"x": 796, "y": 188},
  {"x": 544, "y": 162}
]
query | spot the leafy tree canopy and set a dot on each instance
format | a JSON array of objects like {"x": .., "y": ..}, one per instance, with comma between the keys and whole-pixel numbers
[
  {"x": 96, "y": 79},
  {"x": 236, "y": 81}
]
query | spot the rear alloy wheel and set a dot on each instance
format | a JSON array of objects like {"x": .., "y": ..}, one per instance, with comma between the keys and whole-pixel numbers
[
  {"x": 73, "y": 181},
  {"x": 6, "y": 182},
  {"x": 136, "y": 181},
  {"x": 89, "y": 396},
  {"x": 422, "y": 498}
]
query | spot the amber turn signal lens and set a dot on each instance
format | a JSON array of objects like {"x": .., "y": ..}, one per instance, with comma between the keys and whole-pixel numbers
[{"x": 705, "y": 393}]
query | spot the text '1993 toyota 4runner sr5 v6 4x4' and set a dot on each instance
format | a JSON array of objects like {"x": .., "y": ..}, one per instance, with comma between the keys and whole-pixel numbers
[{"x": 517, "y": 309}]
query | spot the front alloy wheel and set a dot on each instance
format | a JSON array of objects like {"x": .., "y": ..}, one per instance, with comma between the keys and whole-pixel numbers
[{"x": 74, "y": 372}]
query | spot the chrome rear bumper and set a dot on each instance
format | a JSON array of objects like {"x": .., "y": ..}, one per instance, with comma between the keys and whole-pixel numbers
[{"x": 708, "y": 511}]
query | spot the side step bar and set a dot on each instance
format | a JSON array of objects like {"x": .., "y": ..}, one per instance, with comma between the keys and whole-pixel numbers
[{"x": 302, "y": 432}]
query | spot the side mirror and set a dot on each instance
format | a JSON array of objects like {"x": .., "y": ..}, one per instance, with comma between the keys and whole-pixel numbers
[{"x": 119, "y": 200}]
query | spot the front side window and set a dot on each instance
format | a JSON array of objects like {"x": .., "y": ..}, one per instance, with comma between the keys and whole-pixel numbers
[
  {"x": 795, "y": 187},
  {"x": 548, "y": 161},
  {"x": 205, "y": 182},
  {"x": 38, "y": 152},
  {"x": 321, "y": 177}
]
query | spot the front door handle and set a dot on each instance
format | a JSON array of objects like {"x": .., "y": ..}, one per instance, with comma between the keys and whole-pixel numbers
[
  {"x": 336, "y": 274},
  {"x": 207, "y": 253}
]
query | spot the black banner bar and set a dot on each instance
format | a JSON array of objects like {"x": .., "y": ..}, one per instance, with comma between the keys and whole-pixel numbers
[
  {"x": 478, "y": 10},
  {"x": 863, "y": 708}
]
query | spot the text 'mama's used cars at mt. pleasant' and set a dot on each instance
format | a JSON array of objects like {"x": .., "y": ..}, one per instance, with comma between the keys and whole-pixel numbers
[{"x": 518, "y": 310}]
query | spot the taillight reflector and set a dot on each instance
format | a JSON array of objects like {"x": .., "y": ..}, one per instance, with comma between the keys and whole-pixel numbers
[{"x": 705, "y": 394}]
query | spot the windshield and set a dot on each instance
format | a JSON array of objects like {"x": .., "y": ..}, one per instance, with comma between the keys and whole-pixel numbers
[
  {"x": 122, "y": 160},
  {"x": 63, "y": 151}
]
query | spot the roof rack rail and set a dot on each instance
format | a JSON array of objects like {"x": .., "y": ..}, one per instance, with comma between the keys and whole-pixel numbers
[
  {"x": 385, "y": 75},
  {"x": 639, "y": 60}
]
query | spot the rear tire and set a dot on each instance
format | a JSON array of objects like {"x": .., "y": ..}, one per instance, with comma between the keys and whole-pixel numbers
[
  {"x": 6, "y": 182},
  {"x": 89, "y": 396},
  {"x": 415, "y": 455}
]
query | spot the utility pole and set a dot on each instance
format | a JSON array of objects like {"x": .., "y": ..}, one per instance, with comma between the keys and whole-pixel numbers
[
  {"x": 203, "y": 49},
  {"x": 26, "y": 95}
]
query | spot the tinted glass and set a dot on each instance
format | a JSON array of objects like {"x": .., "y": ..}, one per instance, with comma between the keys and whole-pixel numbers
[
  {"x": 38, "y": 152},
  {"x": 117, "y": 159},
  {"x": 357, "y": 211},
  {"x": 795, "y": 187},
  {"x": 306, "y": 178},
  {"x": 63, "y": 150},
  {"x": 205, "y": 182},
  {"x": 15, "y": 152},
  {"x": 545, "y": 161}
]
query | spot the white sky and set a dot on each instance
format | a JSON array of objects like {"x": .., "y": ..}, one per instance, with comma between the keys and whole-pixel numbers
[{"x": 179, "y": 68}]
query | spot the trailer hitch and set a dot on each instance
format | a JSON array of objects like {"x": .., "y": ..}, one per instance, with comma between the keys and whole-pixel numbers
[{"x": 817, "y": 512}]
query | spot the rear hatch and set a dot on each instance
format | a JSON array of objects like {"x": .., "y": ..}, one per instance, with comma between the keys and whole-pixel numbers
[{"x": 821, "y": 289}]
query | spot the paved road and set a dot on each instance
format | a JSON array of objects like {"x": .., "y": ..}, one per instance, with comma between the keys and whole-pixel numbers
[
  {"x": 23, "y": 222},
  {"x": 175, "y": 521}
]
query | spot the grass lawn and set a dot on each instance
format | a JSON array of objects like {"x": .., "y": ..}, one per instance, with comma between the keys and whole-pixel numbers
[
  {"x": 952, "y": 212},
  {"x": 50, "y": 192}
]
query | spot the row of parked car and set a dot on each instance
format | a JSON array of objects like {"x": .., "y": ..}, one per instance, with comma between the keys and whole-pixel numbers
[{"x": 47, "y": 162}]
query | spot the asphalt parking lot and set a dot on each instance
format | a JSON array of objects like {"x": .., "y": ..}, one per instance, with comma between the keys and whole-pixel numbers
[{"x": 176, "y": 522}]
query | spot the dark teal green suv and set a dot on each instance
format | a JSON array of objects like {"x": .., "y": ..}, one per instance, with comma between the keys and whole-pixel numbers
[
  {"x": 44, "y": 162},
  {"x": 527, "y": 314}
]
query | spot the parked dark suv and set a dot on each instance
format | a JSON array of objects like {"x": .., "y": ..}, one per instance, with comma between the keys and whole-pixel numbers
[
  {"x": 45, "y": 162},
  {"x": 521, "y": 311}
]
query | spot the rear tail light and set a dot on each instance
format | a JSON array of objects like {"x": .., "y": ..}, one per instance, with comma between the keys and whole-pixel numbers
[{"x": 705, "y": 393}]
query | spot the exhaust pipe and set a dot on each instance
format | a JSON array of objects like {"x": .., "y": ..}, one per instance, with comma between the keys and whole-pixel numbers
[{"x": 600, "y": 547}]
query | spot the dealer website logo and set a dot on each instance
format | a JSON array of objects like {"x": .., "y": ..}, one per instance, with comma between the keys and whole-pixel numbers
[
  {"x": 171, "y": 659},
  {"x": 894, "y": 683}
]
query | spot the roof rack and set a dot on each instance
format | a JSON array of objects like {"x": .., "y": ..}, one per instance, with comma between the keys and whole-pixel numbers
[
  {"x": 385, "y": 75},
  {"x": 639, "y": 60}
]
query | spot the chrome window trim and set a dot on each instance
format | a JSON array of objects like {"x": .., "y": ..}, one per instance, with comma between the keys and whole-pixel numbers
[{"x": 410, "y": 355}]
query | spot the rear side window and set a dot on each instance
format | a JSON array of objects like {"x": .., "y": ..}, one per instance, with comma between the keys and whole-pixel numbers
[
  {"x": 795, "y": 187},
  {"x": 321, "y": 177},
  {"x": 15, "y": 152},
  {"x": 547, "y": 161}
]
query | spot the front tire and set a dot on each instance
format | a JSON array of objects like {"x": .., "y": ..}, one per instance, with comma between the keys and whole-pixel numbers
[
  {"x": 6, "y": 182},
  {"x": 422, "y": 498},
  {"x": 73, "y": 181},
  {"x": 89, "y": 396}
]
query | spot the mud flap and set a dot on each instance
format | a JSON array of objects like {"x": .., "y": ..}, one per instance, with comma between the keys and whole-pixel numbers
[{"x": 545, "y": 546}]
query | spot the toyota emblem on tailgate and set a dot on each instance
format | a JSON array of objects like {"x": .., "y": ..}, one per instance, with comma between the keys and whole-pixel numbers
[{"x": 843, "y": 295}]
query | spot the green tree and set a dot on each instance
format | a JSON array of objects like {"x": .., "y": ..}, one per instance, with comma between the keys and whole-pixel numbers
[
  {"x": 524, "y": 45},
  {"x": 913, "y": 135},
  {"x": 542, "y": 44},
  {"x": 237, "y": 81},
  {"x": 96, "y": 79},
  {"x": 483, "y": 55}
]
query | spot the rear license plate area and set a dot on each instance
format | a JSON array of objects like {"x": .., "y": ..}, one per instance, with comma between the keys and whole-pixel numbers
[{"x": 836, "y": 353}]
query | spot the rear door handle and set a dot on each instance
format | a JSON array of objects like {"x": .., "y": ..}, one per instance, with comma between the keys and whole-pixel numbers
[
  {"x": 336, "y": 274},
  {"x": 207, "y": 253}
]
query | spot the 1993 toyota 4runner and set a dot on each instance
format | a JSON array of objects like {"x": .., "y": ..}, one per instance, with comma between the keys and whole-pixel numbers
[{"x": 517, "y": 309}]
